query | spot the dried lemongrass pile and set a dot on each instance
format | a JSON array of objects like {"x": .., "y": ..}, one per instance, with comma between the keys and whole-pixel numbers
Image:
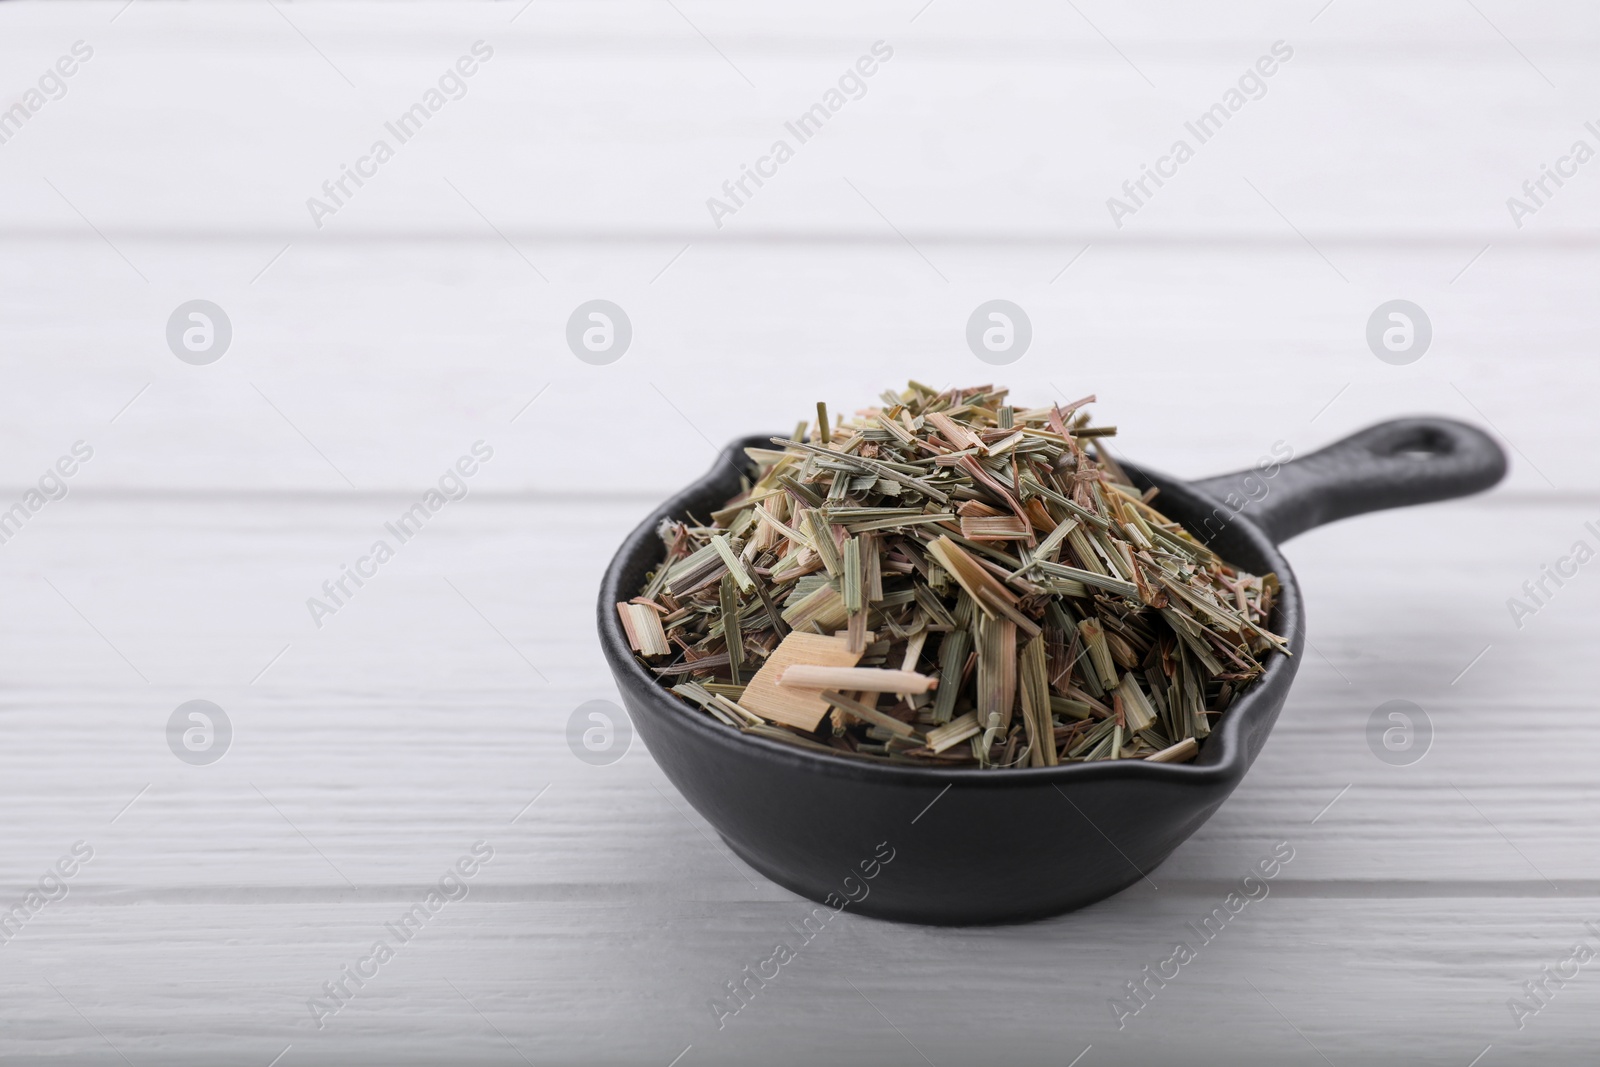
[{"x": 947, "y": 579}]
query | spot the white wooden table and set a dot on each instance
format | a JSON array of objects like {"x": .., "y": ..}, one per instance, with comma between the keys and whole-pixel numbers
[{"x": 430, "y": 712}]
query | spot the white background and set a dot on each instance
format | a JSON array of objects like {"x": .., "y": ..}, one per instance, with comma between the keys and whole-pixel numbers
[{"x": 1227, "y": 314}]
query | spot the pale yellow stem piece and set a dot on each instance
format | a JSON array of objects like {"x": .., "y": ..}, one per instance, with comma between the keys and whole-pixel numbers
[
  {"x": 867, "y": 679},
  {"x": 1182, "y": 752},
  {"x": 953, "y": 733}
]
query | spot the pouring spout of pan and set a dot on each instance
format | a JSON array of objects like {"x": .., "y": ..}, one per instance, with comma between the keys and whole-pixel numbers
[{"x": 1390, "y": 465}]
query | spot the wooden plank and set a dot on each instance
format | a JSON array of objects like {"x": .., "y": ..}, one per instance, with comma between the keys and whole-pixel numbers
[
  {"x": 1033, "y": 101},
  {"x": 549, "y": 991},
  {"x": 419, "y": 708},
  {"x": 1164, "y": 327}
]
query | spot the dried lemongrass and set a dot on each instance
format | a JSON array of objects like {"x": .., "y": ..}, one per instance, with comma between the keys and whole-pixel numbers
[
  {"x": 949, "y": 579},
  {"x": 867, "y": 679},
  {"x": 643, "y": 627}
]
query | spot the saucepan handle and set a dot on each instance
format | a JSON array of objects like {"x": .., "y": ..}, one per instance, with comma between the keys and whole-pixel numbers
[{"x": 1390, "y": 465}]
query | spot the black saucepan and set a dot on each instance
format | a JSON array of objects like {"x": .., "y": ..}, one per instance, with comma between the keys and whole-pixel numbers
[{"x": 973, "y": 846}]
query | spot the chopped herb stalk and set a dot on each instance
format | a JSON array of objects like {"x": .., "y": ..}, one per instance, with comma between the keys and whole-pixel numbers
[{"x": 948, "y": 579}]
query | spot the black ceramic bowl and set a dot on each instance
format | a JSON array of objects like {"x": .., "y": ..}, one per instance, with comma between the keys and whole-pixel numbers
[{"x": 975, "y": 846}]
